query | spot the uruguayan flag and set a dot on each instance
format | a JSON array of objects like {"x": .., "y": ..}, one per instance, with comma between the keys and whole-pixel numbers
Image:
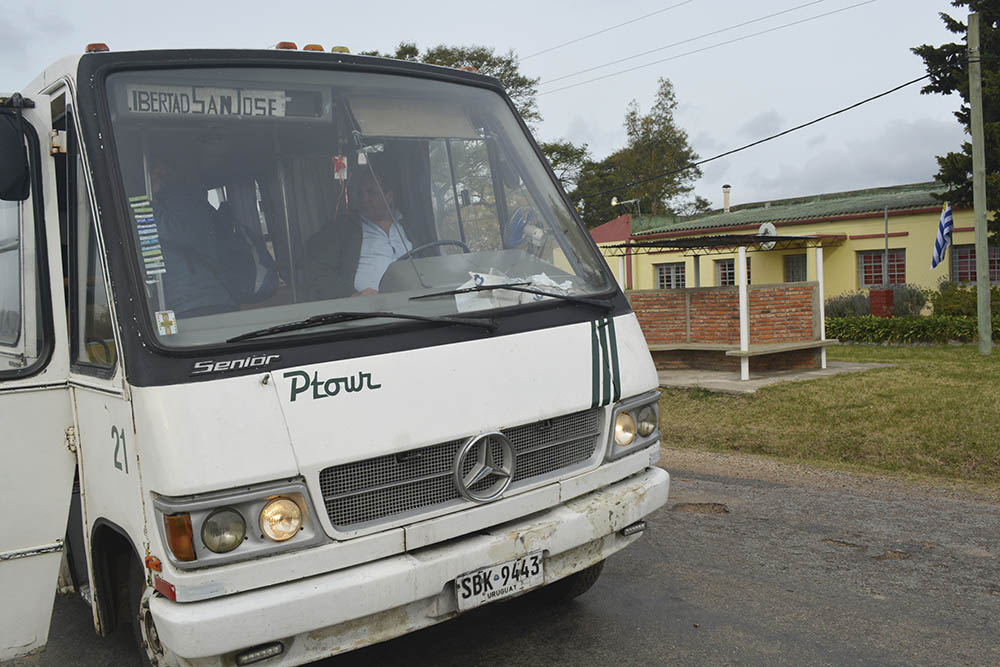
[{"x": 943, "y": 239}]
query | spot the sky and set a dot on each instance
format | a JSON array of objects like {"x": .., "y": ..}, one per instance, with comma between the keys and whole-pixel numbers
[{"x": 834, "y": 53}]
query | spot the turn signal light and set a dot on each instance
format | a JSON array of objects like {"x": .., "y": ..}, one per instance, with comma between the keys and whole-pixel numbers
[
  {"x": 97, "y": 47},
  {"x": 179, "y": 535},
  {"x": 313, "y": 47},
  {"x": 288, "y": 46}
]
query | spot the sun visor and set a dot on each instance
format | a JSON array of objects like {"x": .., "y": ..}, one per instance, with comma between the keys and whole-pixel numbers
[{"x": 386, "y": 117}]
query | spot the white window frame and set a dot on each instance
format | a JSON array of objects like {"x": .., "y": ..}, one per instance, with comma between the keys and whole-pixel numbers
[
  {"x": 798, "y": 257},
  {"x": 719, "y": 263},
  {"x": 862, "y": 254},
  {"x": 994, "y": 254},
  {"x": 665, "y": 275}
]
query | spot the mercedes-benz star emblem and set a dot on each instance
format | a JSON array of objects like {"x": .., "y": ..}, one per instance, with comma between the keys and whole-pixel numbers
[{"x": 484, "y": 467}]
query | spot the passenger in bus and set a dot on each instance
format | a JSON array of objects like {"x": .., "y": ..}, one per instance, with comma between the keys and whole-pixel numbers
[
  {"x": 350, "y": 255},
  {"x": 194, "y": 283}
]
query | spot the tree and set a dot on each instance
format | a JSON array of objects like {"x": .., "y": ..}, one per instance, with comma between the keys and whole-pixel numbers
[
  {"x": 565, "y": 157},
  {"x": 504, "y": 67},
  {"x": 947, "y": 66},
  {"x": 567, "y": 160},
  {"x": 656, "y": 156}
]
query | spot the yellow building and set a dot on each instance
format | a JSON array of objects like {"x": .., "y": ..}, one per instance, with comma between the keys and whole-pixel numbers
[{"x": 851, "y": 226}]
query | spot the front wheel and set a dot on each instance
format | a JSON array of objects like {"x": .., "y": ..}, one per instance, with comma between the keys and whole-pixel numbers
[
  {"x": 572, "y": 586},
  {"x": 147, "y": 643}
]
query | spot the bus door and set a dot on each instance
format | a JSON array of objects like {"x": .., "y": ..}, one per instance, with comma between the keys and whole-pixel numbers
[{"x": 36, "y": 474}]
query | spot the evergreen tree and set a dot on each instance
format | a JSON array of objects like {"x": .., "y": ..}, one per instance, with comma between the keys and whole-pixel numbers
[{"x": 948, "y": 68}]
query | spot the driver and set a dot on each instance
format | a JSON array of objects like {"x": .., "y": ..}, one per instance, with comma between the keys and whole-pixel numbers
[
  {"x": 349, "y": 256},
  {"x": 383, "y": 239}
]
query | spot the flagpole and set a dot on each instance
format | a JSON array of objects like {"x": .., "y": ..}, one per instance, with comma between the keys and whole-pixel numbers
[
  {"x": 979, "y": 189},
  {"x": 885, "y": 254}
]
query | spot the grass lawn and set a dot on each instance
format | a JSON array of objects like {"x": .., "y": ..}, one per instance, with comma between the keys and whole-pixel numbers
[{"x": 936, "y": 413}]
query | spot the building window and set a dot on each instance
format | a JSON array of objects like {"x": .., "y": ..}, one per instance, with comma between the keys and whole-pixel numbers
[
  {"x": 963, "y": 264},
  {"x": 795, "y": 268},
  {"x": 669, "y": 276},
  {"x": 870, "y": 267},
  {"x": 725, "y": 272}
]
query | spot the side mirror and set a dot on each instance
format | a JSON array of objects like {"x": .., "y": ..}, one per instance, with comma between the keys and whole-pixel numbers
[{"x": 15, "y": 178}]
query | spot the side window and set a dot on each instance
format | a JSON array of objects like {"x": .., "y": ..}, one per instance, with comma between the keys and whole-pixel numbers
[
  {"x": 91, "y": 331},
  {"x": 10, "y": 273},
  {"x": 795, "y": 268},
  {"x": 25, "y": 331}
]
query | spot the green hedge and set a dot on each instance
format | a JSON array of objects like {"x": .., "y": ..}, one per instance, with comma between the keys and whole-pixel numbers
[{"x": 933, "y": 329}]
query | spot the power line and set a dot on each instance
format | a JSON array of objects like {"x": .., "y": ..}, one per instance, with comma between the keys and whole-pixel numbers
[
  {"x": 671, "y": 172},
  {"x": 706, "y": 48},
  {"x": 684, "y": 41},
  {"x": 601, "y": 32}
]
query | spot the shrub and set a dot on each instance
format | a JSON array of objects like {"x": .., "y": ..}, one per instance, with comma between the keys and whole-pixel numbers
[
  {"x": 933, "y": 329},
  {"x": 956, "y": 299},
  {"x": 907, "y": 300},
  {"x": 848, "y": 304}
]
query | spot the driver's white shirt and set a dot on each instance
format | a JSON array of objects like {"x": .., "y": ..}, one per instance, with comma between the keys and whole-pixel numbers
[{"x": 378, "y": 251}]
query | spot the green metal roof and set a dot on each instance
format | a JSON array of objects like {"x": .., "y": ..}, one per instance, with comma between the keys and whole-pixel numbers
[{"x": 873, "y": 200}]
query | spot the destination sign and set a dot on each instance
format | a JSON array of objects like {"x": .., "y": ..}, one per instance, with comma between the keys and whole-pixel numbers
[{"x": 205, "y": 101}]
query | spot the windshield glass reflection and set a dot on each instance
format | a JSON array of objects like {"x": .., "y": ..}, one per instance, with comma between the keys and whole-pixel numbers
[{"x": 262, "y": 196}]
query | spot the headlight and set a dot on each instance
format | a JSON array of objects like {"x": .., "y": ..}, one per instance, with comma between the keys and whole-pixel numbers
[
  {"x": 223, "y": 530},
  {"x": 647, "y": 420},
  {"x": 280, "y": 519},
  {"x": 624, "y": 429}
]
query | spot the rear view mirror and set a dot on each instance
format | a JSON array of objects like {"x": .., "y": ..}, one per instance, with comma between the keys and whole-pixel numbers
[{"x": 14, "y": 175}]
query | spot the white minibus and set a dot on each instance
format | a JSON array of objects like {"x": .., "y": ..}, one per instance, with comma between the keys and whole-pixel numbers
[{"x": 300, "y": 351}]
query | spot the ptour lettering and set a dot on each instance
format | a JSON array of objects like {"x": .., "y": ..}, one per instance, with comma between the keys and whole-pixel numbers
[{"x": 301, "y": 383}]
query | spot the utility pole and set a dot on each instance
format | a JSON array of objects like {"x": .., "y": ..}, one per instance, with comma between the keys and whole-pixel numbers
[{"x": 979, "y": 189}]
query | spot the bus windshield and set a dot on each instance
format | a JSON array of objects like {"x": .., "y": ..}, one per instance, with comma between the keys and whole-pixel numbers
[{"x": 262, "y": 196}]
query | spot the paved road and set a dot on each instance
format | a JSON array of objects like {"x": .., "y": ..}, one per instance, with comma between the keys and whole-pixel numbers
[{"x": 751, "y": 563}]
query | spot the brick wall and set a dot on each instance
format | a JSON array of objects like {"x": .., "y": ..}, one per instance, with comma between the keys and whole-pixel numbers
[
  {"x": 782, "y": 313},
  {"x": 662, "y": 315},
  {"x": 778, "y": 314},
  {"x": 715, "y": 316}
]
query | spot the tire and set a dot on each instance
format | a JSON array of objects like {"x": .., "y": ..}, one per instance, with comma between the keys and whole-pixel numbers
[
  {"x": 570, "y": 587},
  {"x": 138, "y": 611}
]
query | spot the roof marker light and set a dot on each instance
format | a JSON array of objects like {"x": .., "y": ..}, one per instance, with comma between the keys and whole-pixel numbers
[
  {"x": 313, "y": 47},
  {"x": 97, "y": 47},
  {"x": 286, "y": 46},
  {"x": 339, "y": 49}
]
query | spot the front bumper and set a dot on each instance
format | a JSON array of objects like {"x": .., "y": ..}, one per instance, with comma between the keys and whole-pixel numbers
[{"x": 344, "y": 610}]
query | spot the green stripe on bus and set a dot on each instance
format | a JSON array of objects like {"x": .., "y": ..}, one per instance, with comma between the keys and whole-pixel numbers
[
  {"x": 615, "y": 371},
  {"x": 595, "y": 377},
  {"x": 606, "y": 375}
]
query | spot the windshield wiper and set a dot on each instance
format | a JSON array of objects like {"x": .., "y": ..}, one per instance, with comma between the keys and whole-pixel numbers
[
  {"x": 525, "y": 287},
  {"x": 349, "y": 316}
]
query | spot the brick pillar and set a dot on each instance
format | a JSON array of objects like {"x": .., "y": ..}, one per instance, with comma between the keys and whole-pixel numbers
[{"x": 881, "y": 302}]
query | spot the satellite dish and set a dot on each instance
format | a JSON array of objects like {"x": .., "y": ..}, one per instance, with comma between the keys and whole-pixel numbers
[{"x": 767, "y": 229}]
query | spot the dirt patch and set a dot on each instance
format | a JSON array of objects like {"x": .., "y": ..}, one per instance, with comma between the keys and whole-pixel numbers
[
  {"x": 891, "y": 554},
  {"x": 700, "y": 508}
]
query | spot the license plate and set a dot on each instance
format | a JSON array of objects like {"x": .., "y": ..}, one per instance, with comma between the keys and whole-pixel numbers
[{"x": 499, "y": 581}]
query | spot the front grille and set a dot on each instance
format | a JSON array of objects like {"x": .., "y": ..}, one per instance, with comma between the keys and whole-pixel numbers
[{"x": 387, "y": 488}]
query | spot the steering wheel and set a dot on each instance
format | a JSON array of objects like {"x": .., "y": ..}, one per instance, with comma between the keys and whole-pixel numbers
[{"x": 432, "y": 244}]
